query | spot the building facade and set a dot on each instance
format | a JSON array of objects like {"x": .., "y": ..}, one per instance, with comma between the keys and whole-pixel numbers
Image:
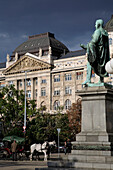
[{"x": 53, "y": 74}]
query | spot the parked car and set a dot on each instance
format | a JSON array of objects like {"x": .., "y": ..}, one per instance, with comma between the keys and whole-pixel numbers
[
  {"x": 61, "y": 149},
  {"x": 55, "y": 149}
]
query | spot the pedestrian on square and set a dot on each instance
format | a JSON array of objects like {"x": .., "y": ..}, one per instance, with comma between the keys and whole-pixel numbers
[
  {"x": 68, "y": 146},
  {"x": 13, "y": 149},
  {"x": 65, "y": 147}
]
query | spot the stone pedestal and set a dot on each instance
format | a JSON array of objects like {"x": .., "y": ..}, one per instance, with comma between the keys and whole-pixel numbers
[
  {"x": 92, "y": 149},
  {"x": 93, "y": 146},
  {"x": 97, "y": 116}
]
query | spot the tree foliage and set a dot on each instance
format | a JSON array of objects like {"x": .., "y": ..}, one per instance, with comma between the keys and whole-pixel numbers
[
  {"x": 44, "y": 128},
  {"x": 41, "y": 126},
  {"x": 74, "y": 116},
  {"x": 12, "y": 102}
]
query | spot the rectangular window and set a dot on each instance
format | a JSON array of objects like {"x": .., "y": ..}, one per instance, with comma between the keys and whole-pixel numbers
[
  {"x": 109, "y": 82},
  {"x": 43, "y": 92},
  {"x": 2, "y": 85},
  {"x": 20, "y": 83},
  {"x": 28, "y": 93},
  {"x": 10, "y": 82},
  {"x": 56, "y": 78},
  {"x": 79, "y": 75},
  {"x": 68, "y": 90},
  {"x": 93, "y": 74},
  {"x": 43, "y": 81},
  {"x": 56, "y": 92},
  {"x": 29, "y": 82},
  {"x": 36, "y": 81},
  {"x": 110, "y": 41},
  {"x": 36, "y": 93},
  {"x": 68, "y": 77}
]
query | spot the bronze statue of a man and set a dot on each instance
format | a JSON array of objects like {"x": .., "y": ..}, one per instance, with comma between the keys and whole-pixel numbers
[{"x": 97, "y": 52}]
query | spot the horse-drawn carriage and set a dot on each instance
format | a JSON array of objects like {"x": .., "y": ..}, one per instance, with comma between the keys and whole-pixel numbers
[
  {"x": 24, "y": 151},
  {"x": 5, "y": 149}
]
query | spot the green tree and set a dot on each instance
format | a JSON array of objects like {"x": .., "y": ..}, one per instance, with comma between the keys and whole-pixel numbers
[
  {"x": 74, "y": 116},
  {"x": 12, "y": 103},
  {"x": 44, "y": 126}
]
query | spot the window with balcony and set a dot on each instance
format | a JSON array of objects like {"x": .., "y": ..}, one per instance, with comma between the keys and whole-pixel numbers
[{"x": 68, "y": 77}]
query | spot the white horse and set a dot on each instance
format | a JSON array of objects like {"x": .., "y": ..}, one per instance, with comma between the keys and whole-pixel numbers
[
  {"x": 46, "y": 146},
  {"x": 39, "y": 148},
  {"x": 50, "y": 145},
  {"x": 53, "y": 143}
]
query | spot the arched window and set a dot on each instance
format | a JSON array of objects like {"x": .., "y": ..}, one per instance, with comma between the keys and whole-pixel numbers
[
  {"x": 56, "y": 104},
  {"x": 67, "y": 104}
]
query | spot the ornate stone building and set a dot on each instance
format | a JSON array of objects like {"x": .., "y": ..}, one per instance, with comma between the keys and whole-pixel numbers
[{"x": 52, "y": 72}]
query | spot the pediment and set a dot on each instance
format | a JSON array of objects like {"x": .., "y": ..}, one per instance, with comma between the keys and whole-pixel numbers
[{"x": 27, "y": 63}]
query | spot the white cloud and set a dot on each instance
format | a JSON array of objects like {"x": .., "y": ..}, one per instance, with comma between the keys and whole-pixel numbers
[
  {"x": 4, "y": 35},
  {"x": 24, "y": 36}
]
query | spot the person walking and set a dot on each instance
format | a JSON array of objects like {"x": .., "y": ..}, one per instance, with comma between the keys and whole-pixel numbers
[
  {"x": 69, "y": 146},
  {"x": 13, "y": 149},
  {"x": 65, "y": 147}
]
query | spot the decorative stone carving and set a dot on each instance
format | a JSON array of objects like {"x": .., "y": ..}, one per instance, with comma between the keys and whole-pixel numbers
[
  {"x": 25, "y": 63},
  {"x": 16, "y": 56},
  {"x": 50, "y": 51},
  {"x": 40, "y": 52},
  {"x": 8, "y": 58}
]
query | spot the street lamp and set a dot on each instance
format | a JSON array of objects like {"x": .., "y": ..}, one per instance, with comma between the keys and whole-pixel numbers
[
  {"x": 24, "y": 127},
  {"x": 25, "y": 103},
  {"x": 58, "y": 129}
]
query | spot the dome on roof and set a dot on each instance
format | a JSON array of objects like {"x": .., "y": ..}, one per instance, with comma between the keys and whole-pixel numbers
[
  {"x": 109, "y": 25},
  {"x": 43, "y": 41}
]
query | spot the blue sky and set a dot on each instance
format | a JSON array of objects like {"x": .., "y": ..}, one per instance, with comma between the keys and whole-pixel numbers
[{"x": 72, "y": 21}]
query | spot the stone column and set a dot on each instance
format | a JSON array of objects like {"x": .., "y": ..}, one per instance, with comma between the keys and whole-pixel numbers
[
  {"x": 23, "y": 85},
  {"x": 62, "y": 89},
  {"x": 15, "y": 83},
  {"x": 32, "y": 89},
  {"x": 39, "y": 92}
]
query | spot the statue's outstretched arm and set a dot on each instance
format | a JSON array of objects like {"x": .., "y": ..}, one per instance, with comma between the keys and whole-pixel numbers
[{"x": 83, "y": 46}]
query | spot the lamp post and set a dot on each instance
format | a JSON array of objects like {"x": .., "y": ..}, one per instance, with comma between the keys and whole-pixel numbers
[
  {"x": 58, "y": 129},
  {"x": 24, "y": 127},
  {"x": 25, "y": 104}
]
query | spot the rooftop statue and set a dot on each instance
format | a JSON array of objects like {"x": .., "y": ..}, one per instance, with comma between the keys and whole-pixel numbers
[{"x": 97, "y": 53}]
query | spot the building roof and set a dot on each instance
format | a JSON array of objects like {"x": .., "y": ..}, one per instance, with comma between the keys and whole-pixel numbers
[
  {"x": 109, "y": 25},
  {"x": 40, "y": 41},
  {"x": 73, "y": 54},
  {"x": 3, "y": 65}
]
